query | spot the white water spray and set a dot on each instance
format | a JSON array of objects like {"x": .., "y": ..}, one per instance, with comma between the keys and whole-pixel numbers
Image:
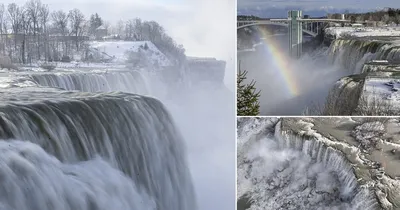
[
  {"x": 284, "y": 171},
  {"x": 31, "y": 179}
]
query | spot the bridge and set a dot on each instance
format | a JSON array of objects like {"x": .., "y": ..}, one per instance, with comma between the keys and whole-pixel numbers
[{"x": 297, "y": 26}]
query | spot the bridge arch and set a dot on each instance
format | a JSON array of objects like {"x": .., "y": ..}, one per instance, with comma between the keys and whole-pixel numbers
[
  {"x": 295, "y": 22},
  {"x": 276, "y": 24}
]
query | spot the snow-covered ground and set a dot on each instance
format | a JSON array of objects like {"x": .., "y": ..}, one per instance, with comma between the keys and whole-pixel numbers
[
  {"x": 119, "y": 48},
  {"x": 339, "y": 32},
  {"x": 72, "y": 66},
  {"x": 108, "y": 49},
  {"x": 284, "y": 171},
  {"x": 385, "y": 89}
]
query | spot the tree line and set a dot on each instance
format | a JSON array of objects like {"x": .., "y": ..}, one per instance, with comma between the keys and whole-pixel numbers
[
  {"x": 32, "y": 32},
  {"x": 248, "y": 17},
  {"x": 387, "y": 16}
]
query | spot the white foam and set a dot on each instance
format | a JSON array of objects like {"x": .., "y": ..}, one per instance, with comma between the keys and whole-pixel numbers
[{"x": 32, "y": 179}]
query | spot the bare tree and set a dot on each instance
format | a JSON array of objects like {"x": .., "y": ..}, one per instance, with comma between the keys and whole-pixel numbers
[
  {"x": 43, "y": 20},
  {"x": 2, "y": 19},
  {"x": 77, "y": 20},
  {"x": 3, "y": 28},
  {"x": 32, "y": 10},
  {"x": 120, "y": 27},
  {"x": 25, "y": 26},
  {"x": 374, "y": 105},
  {"x": 138, "y": 28},
  {"x": 14, "y": 14},
  {"x": 155, "y": 31},
  {"x": 60, "y": 19},
  {"x": 44, "y": 17},
  {"x": 130, "y": 30},
  {"x": 15, "y": 17}
]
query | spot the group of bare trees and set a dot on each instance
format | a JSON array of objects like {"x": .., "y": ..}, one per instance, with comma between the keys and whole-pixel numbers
[{"x": 32, "y": 32}]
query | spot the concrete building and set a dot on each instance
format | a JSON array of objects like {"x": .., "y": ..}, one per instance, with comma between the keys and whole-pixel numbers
[{"x": 295, "y": 34}]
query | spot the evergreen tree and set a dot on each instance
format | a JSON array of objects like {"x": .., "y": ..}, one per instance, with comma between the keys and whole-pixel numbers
[
  {"x": 95, "y": 22},
  {"x": 247, "y": 96}
]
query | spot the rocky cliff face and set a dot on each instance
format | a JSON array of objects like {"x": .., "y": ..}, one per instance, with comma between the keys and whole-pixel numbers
[
  {"x": 343, "y": 99},
  {"x": 372, "y": 64},
  {"x": 205, "y": 70}
]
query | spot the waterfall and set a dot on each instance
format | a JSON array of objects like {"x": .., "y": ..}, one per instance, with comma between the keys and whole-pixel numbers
[
  {"x": 327, "y": 156},
  {"x": 134, "y": 134},
  {"x": 289, "y": 171},
  {"x": 32, "y": 179},
  {"x": 337, "y": 101},
  {"x": 125, "y": 81},
  {"x": 353, "y": 53}
]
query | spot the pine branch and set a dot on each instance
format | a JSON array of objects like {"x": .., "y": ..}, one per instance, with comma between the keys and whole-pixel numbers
[{"x": 247, "y": 96}]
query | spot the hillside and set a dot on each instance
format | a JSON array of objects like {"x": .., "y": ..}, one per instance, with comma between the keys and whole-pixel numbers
[{"x": 118, "y": 50}]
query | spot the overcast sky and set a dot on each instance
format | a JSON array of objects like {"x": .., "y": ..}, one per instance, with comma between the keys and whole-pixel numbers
[
  {"x": 316, "y": 8},
  {"x": 200, "y": 25},
  {"x": 314, "y": 4}
]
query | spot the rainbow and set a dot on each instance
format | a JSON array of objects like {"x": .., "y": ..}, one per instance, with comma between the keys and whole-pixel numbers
[{"x": 280, "y": 60}]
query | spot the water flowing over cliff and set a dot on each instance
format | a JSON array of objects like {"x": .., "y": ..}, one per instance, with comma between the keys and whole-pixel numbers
[
  {"x": 86, "y": 114},
  {"x": 353, "y": 53},
  {"x": 33, "y": 179},
  {"x": 143, "y": 152},
  {"x": 125, "y": 81},
  {"x": 279, "y": 169}
]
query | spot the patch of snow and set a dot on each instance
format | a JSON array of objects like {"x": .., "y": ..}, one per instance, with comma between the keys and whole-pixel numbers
[
  {"x": 308, "y": 130},
  {"x": 247, "y": 50},
  {"x": 379, "y": 61},
  {"x": 340, "y": 32},
  {"x": 275, "y": 177},
  {"x": 383, "y": 89},
  {"x": 368, "y": 134},
  {"x": 371, "y": 126},
  {"x": 118, "y": 49},
  {"x": 250, "y": 126}
]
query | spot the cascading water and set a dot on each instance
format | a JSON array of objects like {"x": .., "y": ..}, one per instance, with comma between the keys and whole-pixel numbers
[
  {"x": 303, "y": 86},
  {"x": 125, "y": 81},
  {"x": 202, "y": 108},
  {"x": 280, "y": 170},
  {"x": 355, "y": 56},
  {"x": 337, "y": 102},
  {"x": 353, "y": 53},
  {"x": 32, "y": 179},
  {"x": 208, "y": 147},
  {"x": 135, "y": 136}
]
